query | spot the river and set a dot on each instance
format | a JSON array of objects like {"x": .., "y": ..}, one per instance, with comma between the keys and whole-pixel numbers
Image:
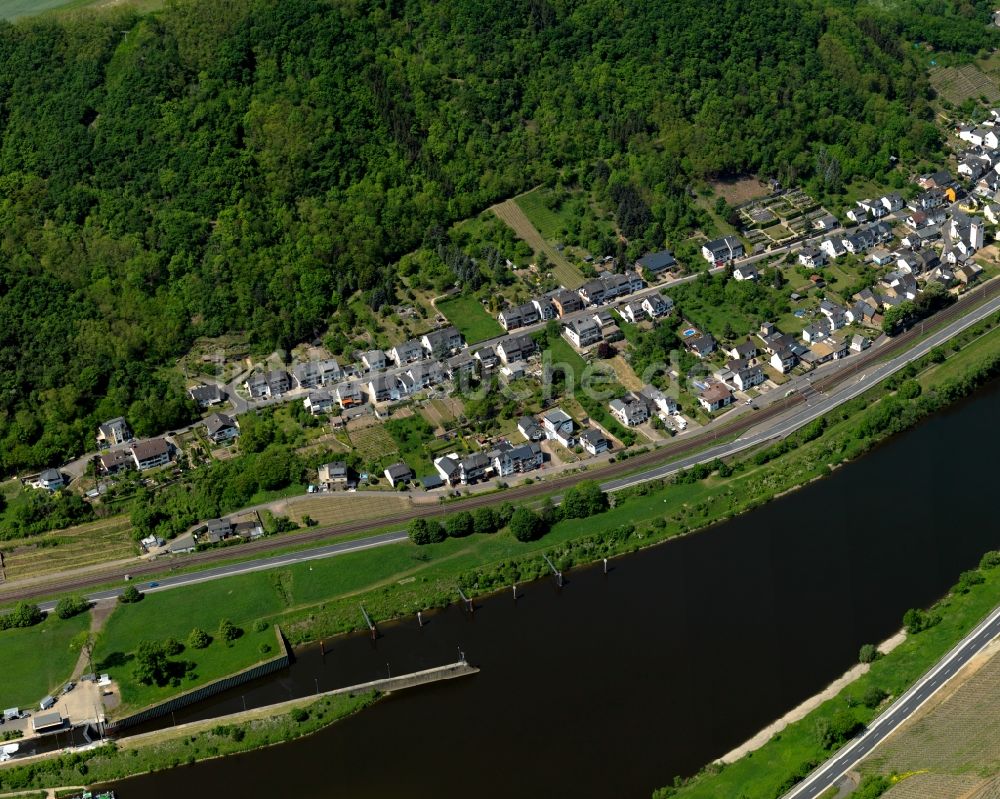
[{"x": 618, "y": 682}]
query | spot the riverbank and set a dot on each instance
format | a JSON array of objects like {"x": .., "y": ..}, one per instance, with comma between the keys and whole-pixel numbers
[
  {"x": 320, "y": 599},
  {"x": 212, "y": 738},
  {"x": 805, "y": 708},
  {"x": 790, "y": 755}
]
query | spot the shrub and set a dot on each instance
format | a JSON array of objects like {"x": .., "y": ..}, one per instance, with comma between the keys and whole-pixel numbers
[
  {"x": 70, "y": 606},
  {"x": 24, "y": 614},
  {"x": 199, "y": 639},
  {"x": 916, "y": 620},
  {"x": 990, "y": 560},
  {"x": 583, "y": 500},
  {"x": 526, "y": 525},
  {"x": 228, "y": 631},
  {"x": 299, "y": 714},
  {"x": 485, "y": 520},
  {"x": 873, "y": 696},
  {"x": 425, "y": 531},
  {"x": 459, "y": 525},
  {"x": 260, "y": 625},
  {"x": 130, "y": 595},
  {"x": 967, "y": 579},
  {"x": 869, "y": 654},
  {"x": 173, "y": 647}
]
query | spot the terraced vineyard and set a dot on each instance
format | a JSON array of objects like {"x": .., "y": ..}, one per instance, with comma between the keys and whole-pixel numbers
[
  {"x": 967, "y": 82},
  {"x": 72, "y": 548}
]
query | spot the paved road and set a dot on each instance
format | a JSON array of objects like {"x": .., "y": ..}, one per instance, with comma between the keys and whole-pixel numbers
[
  {"x": 900, "y": 710},
  {"x": 786, "y": 416}
]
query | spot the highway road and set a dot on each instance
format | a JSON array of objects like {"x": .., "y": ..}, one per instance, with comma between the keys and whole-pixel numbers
[
  {"x": 899, "y": 711},
  {"x": 784, "y": 416}
]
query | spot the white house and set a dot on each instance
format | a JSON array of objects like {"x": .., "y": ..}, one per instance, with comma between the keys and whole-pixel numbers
[
  {"x": 594, "y": 441},
  {"x": 747, "y": 272},
  {"x": 748, "y": 378},
  {"x": 629, "y": 411},
  {"x": 714, "y": 397},
  {"x": 558, "y": 426}
]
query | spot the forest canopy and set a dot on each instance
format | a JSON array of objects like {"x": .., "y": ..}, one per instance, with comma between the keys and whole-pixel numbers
[{"x": 247, "y": 165}]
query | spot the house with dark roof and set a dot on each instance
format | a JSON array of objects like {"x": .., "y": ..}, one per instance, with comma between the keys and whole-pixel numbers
[
  {"x": 349, "y": 394},
  {"x": 207, "y": 395},
  {"x": 657, "y": 305},
  {"x": 398, "y": 474},
  {"x": 151, "y": 453},
  {"x": 529, "y": 428},
  {"x": 702, "y": 346},
  {"x": 507, "y": 459},
  {"x": 374, "y": 359},
  {"x": 723, "y": 250},
  {"x": 439, "y": 343},
  {"x": 654, "y": 264},
  {"x": 407, "y": 352},
  {"x": 515, "y": 348},
  {"x": 220, "y": 428},
  {"x": 630, "y": 411},
  {"x": 594, "y": 441},
  {"x": 473, "y": 467},
  {"x": 748, "y": 377},
  {"x": 516, "y": 316},
  {"x": 319, "y": 401},
  {"x": 316, "y": 373},
  {"x": 582, "y": 332},
  {"x": 565, "y": 301},
  {"x": 115, "y": 461}
]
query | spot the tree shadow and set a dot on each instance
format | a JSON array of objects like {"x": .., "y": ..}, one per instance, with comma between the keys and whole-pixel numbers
[{"x": 114, "y": 660}]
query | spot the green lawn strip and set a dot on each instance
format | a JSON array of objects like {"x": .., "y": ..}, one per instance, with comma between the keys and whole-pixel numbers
[
  {"x": 116, "y": 761},
  {"x": 467, "y": 314},
  {"x": 242, "y": 599},
  {"x": 765, "y": 773},
  {"x": 36, "y": 661}
]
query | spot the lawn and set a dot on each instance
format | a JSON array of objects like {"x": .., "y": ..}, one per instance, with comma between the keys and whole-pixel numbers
[
  {"x": 551, "y": 223},
  {"x": 468, "y": 315},
  {"x": 241, "y": 599},
  {"x": 37, "y": 660},
  {"x": 412, "y": 435}
]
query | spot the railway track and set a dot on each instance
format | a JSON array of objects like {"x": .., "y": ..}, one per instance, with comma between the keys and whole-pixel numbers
[{"x": 654, "y": 457}]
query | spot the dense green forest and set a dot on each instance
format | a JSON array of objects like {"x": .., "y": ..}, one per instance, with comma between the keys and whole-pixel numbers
[{"x": 246, "y": 165}]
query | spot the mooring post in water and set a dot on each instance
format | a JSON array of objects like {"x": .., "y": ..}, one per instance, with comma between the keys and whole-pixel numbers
[
  {"x": 605, "y": 565},
  {"x": 420, "y": 618},
  {"x": 468, "y": 602},
  {"x": 369, "y": 622},
  {"x": 555, "y": 571},
  {"x": 322, "y": 648},
  {"x": 514, "y": 589}
]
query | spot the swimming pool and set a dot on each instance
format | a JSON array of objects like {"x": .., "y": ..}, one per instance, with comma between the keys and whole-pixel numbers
[{"x": 689, "y": 332}]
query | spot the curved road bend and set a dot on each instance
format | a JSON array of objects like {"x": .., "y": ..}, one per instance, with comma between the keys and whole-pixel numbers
[
  {"x": 785, "y": 416},
  {"x": 903, "y": 708}
]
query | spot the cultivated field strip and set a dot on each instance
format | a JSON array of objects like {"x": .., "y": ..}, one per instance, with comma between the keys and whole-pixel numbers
[{"x": 512, "y": 215}]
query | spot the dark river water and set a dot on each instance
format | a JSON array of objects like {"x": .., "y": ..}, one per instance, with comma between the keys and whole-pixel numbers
[{"x": 618, "y": 682}]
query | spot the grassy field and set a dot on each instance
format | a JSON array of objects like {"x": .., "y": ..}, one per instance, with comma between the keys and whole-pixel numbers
[
  {"x": 37, "y": 660},
  {"x": 551, "y": 223},
  {"x": 954, "y": 745},
  {"x": 340, "y": 507},
  {"x": 72, "y": 548},
  {"x": 468, "y": 315},
  {"x": 242, "y": 600},
  {"x": 567, "y": 274}
]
